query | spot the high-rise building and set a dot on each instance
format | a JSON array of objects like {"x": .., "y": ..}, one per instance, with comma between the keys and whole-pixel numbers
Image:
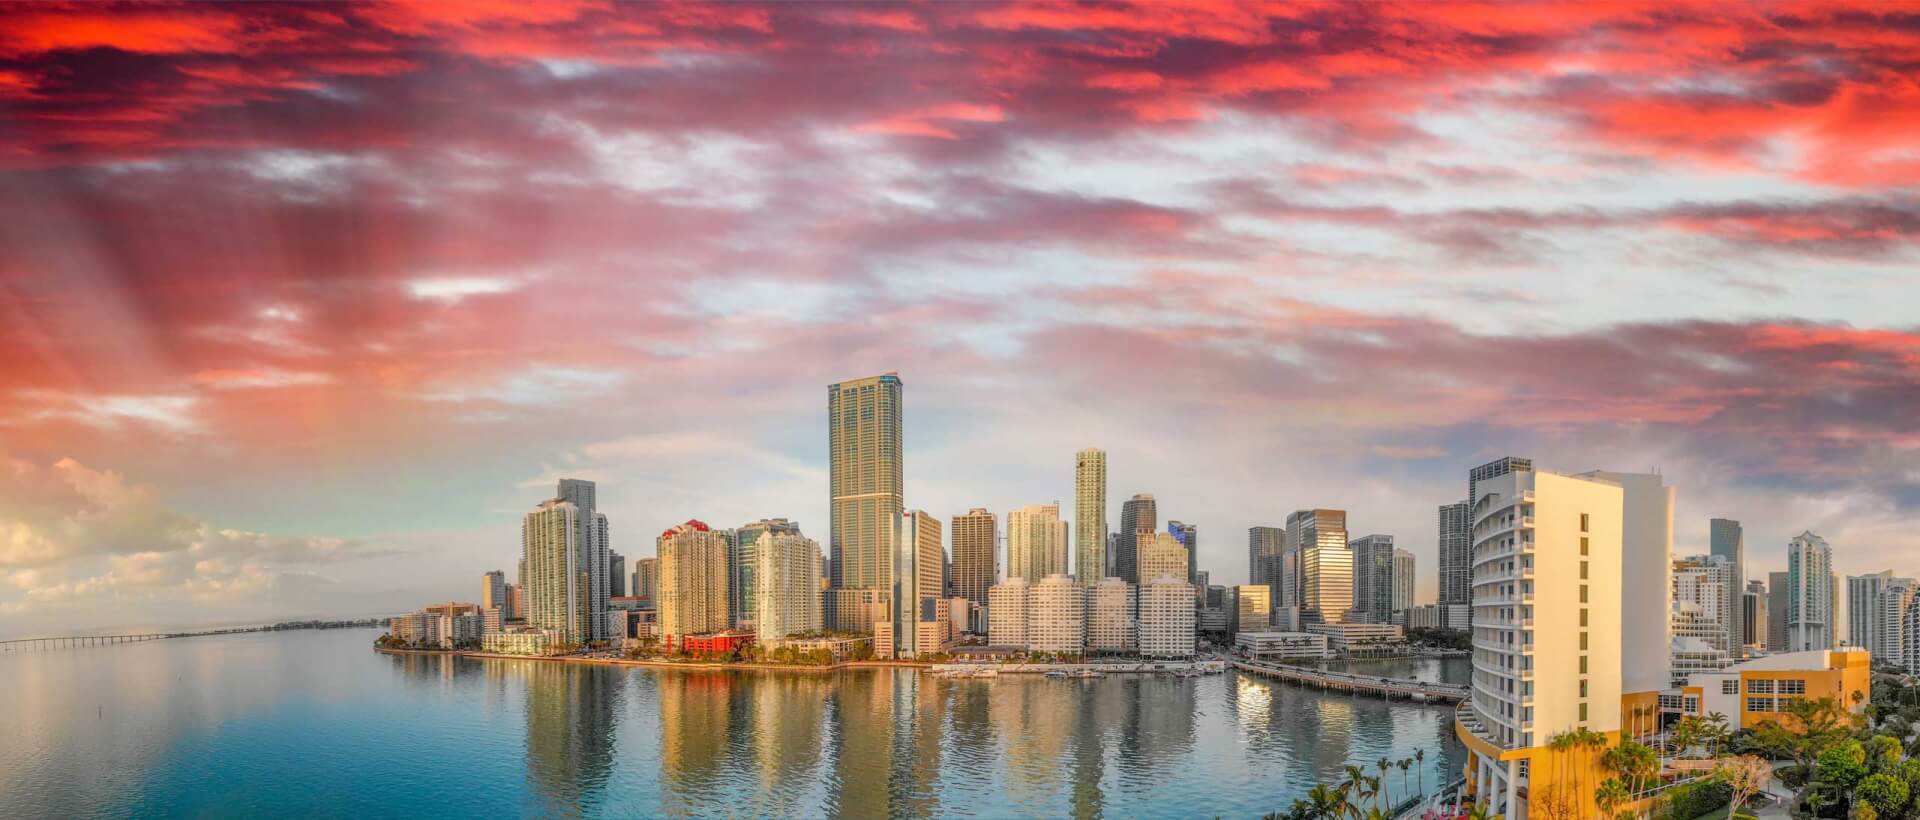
[
  {"x": 1138, "y": 514},
  {"x": 865, "y": 472},
  {"x": 1113, "y": 554},
  {"x": 1326, "y": 591},
  {"x": 1646, "y": 563},
  {"x": 1456, "y": 554},
  {"x": 1373, "y": 577},
  {"x": 693, "y": 581},
  {"x": 1403, "y": 575},
  {"x": 1702, "y": 638},
  {"x": 1090, "y": 516},
  {"x": 1253, "y": 610},
  {"x": 1890, "y": 628},
  {"x": 595, "y": 541},
  {"x": 915, "y": 596},
  {"x": 493, "y": 593},
  {"x": 974, "y": 563},
  {"x": 1778, "y": 585},
  {"x": 646, "y": 579},
  {"x": 1007, "y": 613},
  {"x": 1863, "y": 609},
  {"x": 1727, "y": 540},
  {"x": 517, "y": 600},
  {"x": 616, "y": 575},
  {"x": 1189, "y": 537},
  {"x": 744, "y": 565},
  {"x": 559, "y": 568},
  {"x": 1810, "y": 588},
  {"x": 1160, "y": 554},
  {"x": 1547, "y": 629},
  {"x": 786, "y": 583},
  {"x": 1036, "y": 542},
  {"x": 1110, "y": 617},
  {"x": 1307, "y": 529},
  {"x": 1167, "y": 618},
  {"x": 1753, "y": 618},
  {"x": 1056, "y": 615},
  {"x": 1264, "y": 548},
  {"x": 1494, "y": 469}
]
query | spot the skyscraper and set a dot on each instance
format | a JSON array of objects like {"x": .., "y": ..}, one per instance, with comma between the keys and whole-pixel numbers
[
  {"x": 1264, "y": 547},
  {"x": 915, "y": 593},
  {"x": 646, "y": 579},
  {"x": 1778, "y": 584},
  {"x": 1090, "y": 516},
  {"x": 1308, "y": 529},
  {"x": 1456, "y": 554},
  {"x": 865, "y": 468},
  {"x": 595, "y": 541},
  {"x": 493, "y": 593},
  {"x": 1702, "y": 638},
  {"x": 1189, "y": 537},
  {"x": 974, "y": 564},
  {"x": 745, "y": 563},
  {"x": 786, "y": 583},
  {"x": 1138, "y": 513},
  {"x": 1863, "y": 606},
  {"x": 693, "y": 581},
  {"x": 616, "y": 575},
  {"x": 1161, "y": 555},
  {"x": 1753, "y": 619},
  {"x": 1166, "y": 619},
  {"x": 559, "y": 566},
  {"x": 1646, "y": 563},
  {"x": 1727, "y": 540},
  {"x": 1036, "y": 542},
  {"x": 1373, "y": 577},
  {"x": 1403, "y": 575},
  {"x": 1810, "y": 586},
  {"x": 1890, "y": 620},
  {"x": 1494, "y": 469}
]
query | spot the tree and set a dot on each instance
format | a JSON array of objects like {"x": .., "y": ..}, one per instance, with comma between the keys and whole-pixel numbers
[
  {"x": 1404, "y": 764},
  {"x": 1886, "y": 793},
  {"x": 1812, "y": 726},
  {"x": 1611, "y": 794},
  {"x": 1480, "y": 811},
  {"x": 1746, "y": 776},
  {"x": 1384, "y": 793},
  {"x": 1883, "y": 754},
  {"x": 1685, "y": 734},
  {"x": 1842, "y": 766},
  {"x": 1419, "y": 758}
]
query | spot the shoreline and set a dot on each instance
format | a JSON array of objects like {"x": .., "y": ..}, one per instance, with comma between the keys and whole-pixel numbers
[{"x": 660, "y": 664}]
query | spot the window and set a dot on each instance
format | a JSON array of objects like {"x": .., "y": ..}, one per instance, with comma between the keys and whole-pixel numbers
[
  {"x": 1583, "y": 687},
  {"x": 1583, "y": 545},
  {"x": 1583, "y": 664},
  {"x": 1583, "y": 641},
  {"x": 1693, "y": 705},
  {"x": 1730, "y": 686},
  {"x": 1583, "y": 712},
  {"x": 1670, "y": 702},
  {"x": 1792, "y": 687},
  {"x": 1759, "y": 704},
  {"x": 1583, "y": 593},
  {"x": 1583, "y": 616},
  {"x": 1583, "y": 570},
  {"x": 1759, "y": 687},
  {"x": 1583, "y": 522}
]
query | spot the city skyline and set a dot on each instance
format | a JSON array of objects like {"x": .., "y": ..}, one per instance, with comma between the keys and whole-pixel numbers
[{"x": 305, "y": 332}]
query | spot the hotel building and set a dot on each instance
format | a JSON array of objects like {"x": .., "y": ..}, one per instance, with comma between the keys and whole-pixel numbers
[
  {"x": 1056, "y": 615},
  {"x": 1167, "y": 618},
  {"x": 1110, "y": 617}
]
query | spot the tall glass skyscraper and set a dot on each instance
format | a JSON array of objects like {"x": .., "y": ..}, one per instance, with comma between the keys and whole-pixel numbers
[
  {"x": 1456, "y": 554},
  {"x": 1264, "y": 547},
  {"x": 1138, "y": 513},
  {"x": 865, "y": 464},
  {"x": 1090, "y": 516},
  {"x": 1373, "y": 577},
  {"x": 1307, "y": 530},
  {"x": 1189, "y": 536}
]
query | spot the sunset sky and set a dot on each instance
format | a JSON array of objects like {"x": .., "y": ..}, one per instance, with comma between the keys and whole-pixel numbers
[{"x": 302, "y": 306}]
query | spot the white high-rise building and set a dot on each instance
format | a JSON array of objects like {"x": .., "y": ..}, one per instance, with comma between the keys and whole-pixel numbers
[
  {"x": 558, "y": 557},
  {"x": 1036, "y": 542},
  {"x": 786, "y": 587},
  {"x": 1007, "y": 613},
  {"x": 1810, "y": 593},
  {"x": 595, "y": 545},
  {"x": 1056, "y": 615},
  {"x": 1646, "y": 563},
  {"x": 1161, "y": 554},
  {"x": 1890, "y": 628},
  {"x": 1403, "y": 575},
  {"x": 1706, "y": 582},
  {"x": 1090, "y": 516},
  {"x": 1110, "y": 617},
  {"x": 1167, "y": 618},
  {"x": 693, "y": 581},
  {"x": 1550, "y": 553},
  {"x": 1863, "y": 610}
]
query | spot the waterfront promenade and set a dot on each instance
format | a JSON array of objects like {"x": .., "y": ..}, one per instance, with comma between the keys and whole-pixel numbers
[{"x": 1364, "y": 684}]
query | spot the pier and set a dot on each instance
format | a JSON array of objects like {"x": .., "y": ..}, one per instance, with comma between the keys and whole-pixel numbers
[
  {"x": 80, "y": 641},
  {"x": 1359, "y": 684}
]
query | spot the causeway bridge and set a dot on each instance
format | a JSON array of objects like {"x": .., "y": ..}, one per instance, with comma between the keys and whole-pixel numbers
[
  {"x": 1360, "y": 684},
  {"x": 78, "y": 641}
]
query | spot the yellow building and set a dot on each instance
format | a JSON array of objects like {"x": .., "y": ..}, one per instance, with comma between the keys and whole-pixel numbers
[{"x": 1756, "y": 691}]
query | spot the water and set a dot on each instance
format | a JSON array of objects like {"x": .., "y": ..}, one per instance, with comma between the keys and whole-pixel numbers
[{"x": 316, "y": 724}]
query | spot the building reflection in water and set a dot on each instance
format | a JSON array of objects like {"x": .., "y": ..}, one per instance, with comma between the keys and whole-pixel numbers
[{"x": 570, "y": 723}]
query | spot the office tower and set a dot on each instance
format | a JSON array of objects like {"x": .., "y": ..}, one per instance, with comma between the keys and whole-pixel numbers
[
  {"x": 595, "y": 540},
  {"x": 1494, "y": 469},
  {"x": 1702, "y": 639},
  {"x": 1777, "y": 594},
  {"x": 1890, "y": 627},
  {"x": 1753, "y": 618},
  {"x": 865, "y": 467},
  {"x": 974, "y": 563},
  {"x": 1007, "y": 613},
  {"x": 1036, "y": 542},
  {"x": 1136, "y": 515},
  {"x": 1863, "y": 608},
  {"x": 1373, "y": 577},
  {"x": 693, "y": 582},
  {"x": 517, "y": 600},
  {"x": 1056, "y": 615},
  {"x": 1306, "y": 529},
  {"x": 1403, "y": 575},
  {"x": 1646, "y": 563},
  {"x": 1456, "y": 554},
  {"x": 616, "y": 575},
  {"x": 915, "y": 593},
  {"x": 1326, "y": 592},
  {"x": 493, "y": 593},
  {"x": 1810, "y": 585},
  {"x": 1166, "y": 619},
  {"x": 1110, "y": 617},
  {"x": 1253, "y": 610},
  {"x": 646, "y": 579},
  {"x": 786, "y": 583},
  {"x": 1113, "y": 554},
  {"x": 1090, "y": 516},
  {"x": 744, "y": 563},
  {"x": 1160, "y": 554},
  {"x": 1264, "y": 547},
  {"x": 1727, "y": 540},
  {"x": 1547, "y": 635},
  {"x": 1189, "y": 537},
  {"x": 558, "y": 567}
]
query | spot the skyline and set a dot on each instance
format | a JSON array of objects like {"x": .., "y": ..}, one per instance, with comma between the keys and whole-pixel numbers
[{"x": 304, "y": 329}]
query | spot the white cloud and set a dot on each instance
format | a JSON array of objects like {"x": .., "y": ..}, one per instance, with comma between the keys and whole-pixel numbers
[
  {"x": 455, "y": 288},
  {"x": 173, "y": 414}
]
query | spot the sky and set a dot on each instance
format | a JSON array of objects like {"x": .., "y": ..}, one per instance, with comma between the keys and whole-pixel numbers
[{"x": 303, "y": 306}]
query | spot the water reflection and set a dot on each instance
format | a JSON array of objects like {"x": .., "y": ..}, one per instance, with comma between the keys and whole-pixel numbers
[{"x": 570, "y": 729}]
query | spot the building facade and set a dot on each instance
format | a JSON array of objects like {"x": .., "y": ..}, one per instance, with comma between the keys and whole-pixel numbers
[
  {"x": 595, "y": 542},
  {"x": 1111, "y": 618},
  {"x": 1403, "y": 577},
  {"x": 493, "y": 593},
  {"x": 1252, "y": 610},
  {"x": 1007, "y": 613},
  {"x": 1373, "y": 578},
  {"x": 1189, "y": 537},
  {"x": 1160, "y": 554},
  {"x": 1777, "y": 594},
  {"x": 1810, "y": 587},
  {"x": 693, "y": 582},
  {"x": 1167, "y": 619},
  {"x": 1308, "y": 529},
  {"x": 917, "y": 617},
  {"x": 646, "y": 578},
  {"x": 1455, "y": 566},
  {"x": 1726, "y": 539},
  {"x": 975, "y": 565},
  {"x": 865, "y": 469},
  {"x": 1036, "y": 542},
  {"x": 558, "y": 571},
  {"x": 1264, "y": 548},
  {"x": 1090, "y": 516},
  {"x": 743, "y": 563},
  {"x": 1753, "y": 617},
  {"x": 786, "y": 590},
  {"x": 1138, "y": 514},
  {"x": 1056, "y": 615}
]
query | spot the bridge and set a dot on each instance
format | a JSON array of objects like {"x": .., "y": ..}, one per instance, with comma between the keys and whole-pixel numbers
[
  {"x": 78, "y": 641},
  {"x": 1361, "y": 684}
]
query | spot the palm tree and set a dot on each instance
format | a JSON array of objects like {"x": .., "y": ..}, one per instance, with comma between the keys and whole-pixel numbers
[
  {"x": 1611, "y": 795},
  {"x": 1420, "y": 757},
  {"x": 1325, "y": 802},
  {"x": 1481, "y": 811},
  {"x": 1404, "y": 764},
  {"x": 1357, "y": 789},
  {"x": 1382, "y": 790}
]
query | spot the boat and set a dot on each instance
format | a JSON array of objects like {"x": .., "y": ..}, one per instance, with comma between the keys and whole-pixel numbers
[
  {"x": 1086, "y": 673},
  {"x": 1059, "y": 673}
]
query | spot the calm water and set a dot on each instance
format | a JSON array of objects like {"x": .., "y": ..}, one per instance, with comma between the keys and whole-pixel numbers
[{"x": 317, "y": 724}]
